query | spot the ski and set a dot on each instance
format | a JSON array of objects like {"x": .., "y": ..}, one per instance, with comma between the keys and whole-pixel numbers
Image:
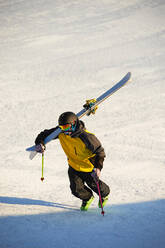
[{"x": 85, "y": 111}]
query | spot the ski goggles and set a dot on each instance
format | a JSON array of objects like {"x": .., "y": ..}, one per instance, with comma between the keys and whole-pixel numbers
[{"x": 66, "y": 127}]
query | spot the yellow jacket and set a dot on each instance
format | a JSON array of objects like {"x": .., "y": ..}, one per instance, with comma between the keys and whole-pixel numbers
[
  {"x": 77, "y": 153},
  {"x": 83, "y": 150}
]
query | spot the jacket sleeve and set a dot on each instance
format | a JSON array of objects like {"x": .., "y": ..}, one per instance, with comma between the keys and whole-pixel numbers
[
  {"x": 41, "y": 136},
  {"x": 94, "y": 145}
]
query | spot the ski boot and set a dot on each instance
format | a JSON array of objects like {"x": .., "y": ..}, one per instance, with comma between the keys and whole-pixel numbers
[
  {"x": 85, "y": 204},
  {"x": 104, "y": 201}
]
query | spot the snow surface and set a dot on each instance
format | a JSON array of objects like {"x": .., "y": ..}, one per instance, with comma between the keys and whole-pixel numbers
[{"x": 54, "y": 56}]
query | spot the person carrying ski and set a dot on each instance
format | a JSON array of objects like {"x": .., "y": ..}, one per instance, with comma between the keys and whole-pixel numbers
[{"x": 84, "y": 153}]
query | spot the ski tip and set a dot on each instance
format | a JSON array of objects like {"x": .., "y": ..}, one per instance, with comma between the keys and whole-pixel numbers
[
  {"x": 129, "y": 74},
  {"x": 128, "y": 77}
]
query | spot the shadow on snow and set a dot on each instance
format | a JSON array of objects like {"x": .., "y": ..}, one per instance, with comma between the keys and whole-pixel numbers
[
  {"x": 26, "y": 201},
  {"x": 138, "y": 225}
]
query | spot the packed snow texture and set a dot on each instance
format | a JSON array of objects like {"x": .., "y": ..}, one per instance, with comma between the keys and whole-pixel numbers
[{"x": 54, "y": 56}]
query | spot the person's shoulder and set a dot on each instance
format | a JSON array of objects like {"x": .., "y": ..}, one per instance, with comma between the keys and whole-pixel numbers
[{"x": 87, "y": 137}]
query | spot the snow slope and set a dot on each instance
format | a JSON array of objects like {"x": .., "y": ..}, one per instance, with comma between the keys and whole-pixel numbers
[{"x": 54, "y": 56}]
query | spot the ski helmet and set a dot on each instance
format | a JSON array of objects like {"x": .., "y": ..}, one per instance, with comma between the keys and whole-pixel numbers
[{"x": 67, "y": 118}]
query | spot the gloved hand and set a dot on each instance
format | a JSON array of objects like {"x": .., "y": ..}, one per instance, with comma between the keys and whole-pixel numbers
[
  {"x": 40, "y": 148},
  {"x": 96, "y": 174}
]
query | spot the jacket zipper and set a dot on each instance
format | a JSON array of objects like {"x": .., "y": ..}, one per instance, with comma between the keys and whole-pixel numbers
[{"x": 75, "y": 151}]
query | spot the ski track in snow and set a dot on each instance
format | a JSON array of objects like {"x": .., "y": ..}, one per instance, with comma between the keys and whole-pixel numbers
[{"x": 54, "y": 56}]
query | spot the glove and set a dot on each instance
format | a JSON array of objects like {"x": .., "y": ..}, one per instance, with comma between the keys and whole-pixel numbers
[
  {"x": 96, "y": 174},
  {"x": 40, "y": 148}
]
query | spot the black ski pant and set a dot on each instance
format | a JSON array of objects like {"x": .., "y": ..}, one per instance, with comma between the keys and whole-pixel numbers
[{"x": 80, "y": 190}]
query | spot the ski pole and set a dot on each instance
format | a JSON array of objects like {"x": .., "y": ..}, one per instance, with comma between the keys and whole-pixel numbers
[
  {"x": 94, "y": 175},
  {"x": 97, "y": 183},
  {"x": 42, "y": 178}
]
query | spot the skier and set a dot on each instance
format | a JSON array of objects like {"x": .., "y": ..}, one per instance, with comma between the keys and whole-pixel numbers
[{"x": 84, "y": 153}]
